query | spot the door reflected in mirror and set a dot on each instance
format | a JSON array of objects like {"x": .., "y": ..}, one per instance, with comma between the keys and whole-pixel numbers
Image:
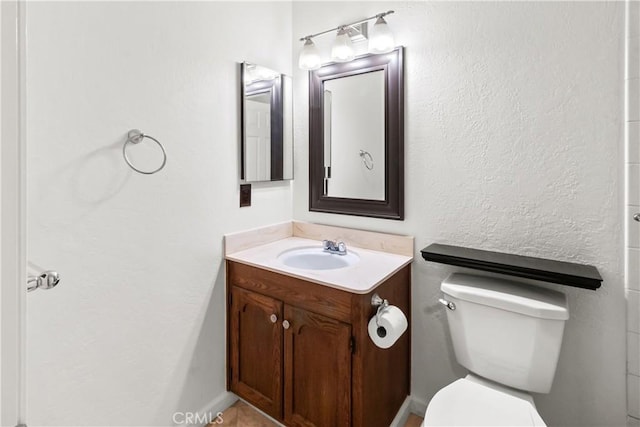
[
  {"x": 267, "y": 135},
  {"x": 354, "y": 136}
]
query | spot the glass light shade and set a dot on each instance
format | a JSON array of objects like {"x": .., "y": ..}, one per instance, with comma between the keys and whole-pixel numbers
[
  {"x": 381, "y": 37},
  {"x": 309, "y": 58},
  {"x": 342, "y": 49}
]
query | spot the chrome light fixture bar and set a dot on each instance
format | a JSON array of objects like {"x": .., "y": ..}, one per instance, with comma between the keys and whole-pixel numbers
[{"x": 380, "y": 41}]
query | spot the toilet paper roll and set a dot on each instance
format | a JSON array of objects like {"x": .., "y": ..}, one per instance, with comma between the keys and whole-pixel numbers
[{"x": 390, "y": 325}]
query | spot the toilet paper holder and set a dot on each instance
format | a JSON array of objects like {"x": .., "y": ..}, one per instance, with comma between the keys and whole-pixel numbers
[{"x": 379, "y": 302}]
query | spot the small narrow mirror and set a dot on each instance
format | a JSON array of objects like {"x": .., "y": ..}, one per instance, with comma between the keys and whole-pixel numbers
[{"x": 266, "y": 116}]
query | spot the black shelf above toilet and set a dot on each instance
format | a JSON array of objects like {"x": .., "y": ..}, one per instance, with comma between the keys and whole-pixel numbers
[{"x": 547, "y": 270}]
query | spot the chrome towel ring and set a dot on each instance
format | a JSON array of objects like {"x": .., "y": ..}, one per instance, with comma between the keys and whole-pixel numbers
[
  {"x": 134, "y": 137},
  {"x": 367, "y": 159}
]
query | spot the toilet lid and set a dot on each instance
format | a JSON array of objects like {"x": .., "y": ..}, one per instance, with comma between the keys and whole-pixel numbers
[{"x": 469, "y": 403}]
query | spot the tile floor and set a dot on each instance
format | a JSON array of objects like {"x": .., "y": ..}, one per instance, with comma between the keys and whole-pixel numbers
[
  {"x": 413, "y": 421},
  {"x": 242, "y": 415}
]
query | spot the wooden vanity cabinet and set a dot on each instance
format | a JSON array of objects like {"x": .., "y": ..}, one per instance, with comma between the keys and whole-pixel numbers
[
  {"x": 255, "y": 349},
  {"x": 299, "y": 351}
]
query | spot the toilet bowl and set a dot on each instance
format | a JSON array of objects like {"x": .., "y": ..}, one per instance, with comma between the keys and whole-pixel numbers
[
  {"x": 508, "y": 335},
  {"x": 473, "y": 401}
]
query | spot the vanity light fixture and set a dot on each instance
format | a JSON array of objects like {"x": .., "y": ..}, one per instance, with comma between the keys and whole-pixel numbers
[
  {"x": 381, "y": 37},
  {"x": 342, "y": 49},
  {"x": 380, "y": 41},
  {"x": 254, "y": 73},
  {"x": 309, "y": 56}
]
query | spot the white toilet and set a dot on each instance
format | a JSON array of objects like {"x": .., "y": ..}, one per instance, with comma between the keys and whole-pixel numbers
[{"x": 508, "y": 335}]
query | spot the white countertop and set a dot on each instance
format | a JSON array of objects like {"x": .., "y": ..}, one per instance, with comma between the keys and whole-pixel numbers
[{"x": 373, "y": 268}]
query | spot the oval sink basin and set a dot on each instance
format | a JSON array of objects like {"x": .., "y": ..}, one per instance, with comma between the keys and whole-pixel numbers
[{"x": 314, "y": 258}]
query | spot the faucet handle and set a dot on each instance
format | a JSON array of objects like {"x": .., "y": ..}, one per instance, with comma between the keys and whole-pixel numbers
[
  {"x": 326, "y": 244},
  {"x": 342, "y": 247}
]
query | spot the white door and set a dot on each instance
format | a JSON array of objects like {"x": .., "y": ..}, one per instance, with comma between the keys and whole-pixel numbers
[
  {"x": 258, "y": 141},
  {"x": 12, "y": 256}
]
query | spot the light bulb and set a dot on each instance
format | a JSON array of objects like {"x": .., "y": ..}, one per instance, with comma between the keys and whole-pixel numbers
[
  {"x": 309, "y": 58},
  {"x": 342, "y": 49},
  {"x": 381, "y": 37}
]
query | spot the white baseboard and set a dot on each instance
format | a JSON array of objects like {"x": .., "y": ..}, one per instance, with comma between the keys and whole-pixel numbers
[{"x": 418, "y": 406}]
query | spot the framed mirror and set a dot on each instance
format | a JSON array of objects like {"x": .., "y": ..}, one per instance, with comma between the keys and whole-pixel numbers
[
  {"x": 266, "y": 148},
  {"x": 356, "y": 137}
]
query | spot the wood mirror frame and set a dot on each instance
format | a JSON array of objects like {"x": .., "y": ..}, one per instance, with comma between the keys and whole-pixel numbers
[
  {"x": 392, "y": 207},
  {"x": 280, "y": 143}
]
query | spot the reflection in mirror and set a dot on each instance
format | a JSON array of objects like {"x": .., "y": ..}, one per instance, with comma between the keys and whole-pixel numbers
[
  {"x": 356, "y": 137},
  {"x": 267, "y": 135}
]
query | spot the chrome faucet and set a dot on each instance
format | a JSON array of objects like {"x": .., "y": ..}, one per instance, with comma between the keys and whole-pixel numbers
[{"x": 332, "y": 247}]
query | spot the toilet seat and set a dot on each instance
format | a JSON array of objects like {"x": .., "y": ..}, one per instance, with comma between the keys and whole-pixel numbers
[{"x": 473, "y": 401}]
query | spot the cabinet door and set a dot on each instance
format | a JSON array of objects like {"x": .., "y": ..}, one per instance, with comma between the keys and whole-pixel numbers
[
  {"x": 317, "y": 370},
  {"x": 255, "y": 335}
]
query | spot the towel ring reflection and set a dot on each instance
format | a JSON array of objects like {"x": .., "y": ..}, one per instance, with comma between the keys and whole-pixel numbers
[
  {"x": 367, "y": 159},
  {"x": 134, "y": 137}
]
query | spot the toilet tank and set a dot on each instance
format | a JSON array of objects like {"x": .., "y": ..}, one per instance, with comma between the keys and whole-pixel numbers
[{"x": 506, "y": 331}]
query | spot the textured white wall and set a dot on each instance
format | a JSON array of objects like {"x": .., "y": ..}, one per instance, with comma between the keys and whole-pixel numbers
[
  {"x": 513, "y": 142},
  {"x": 135, "y": 331},
  {"x": 633, "y": 206}
]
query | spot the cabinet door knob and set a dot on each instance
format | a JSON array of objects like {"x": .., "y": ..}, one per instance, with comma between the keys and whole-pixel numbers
[
  {"x": 273, "y": 318},
  {"x": 285, "y": 324},
  {"x": 637, "y": 217}
]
